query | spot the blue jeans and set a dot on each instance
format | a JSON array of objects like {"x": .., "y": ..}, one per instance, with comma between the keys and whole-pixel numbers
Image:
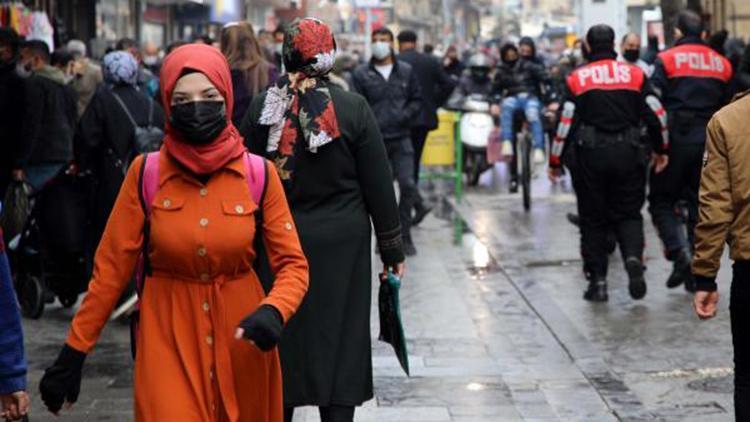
[{"x": 532, "y": 109}]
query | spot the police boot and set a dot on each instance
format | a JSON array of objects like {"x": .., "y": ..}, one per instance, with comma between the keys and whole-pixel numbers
[
  {"x": 636, "y": 280},
  {"x": 597, "y": 291},
  {"x": 680, "y": 271}
]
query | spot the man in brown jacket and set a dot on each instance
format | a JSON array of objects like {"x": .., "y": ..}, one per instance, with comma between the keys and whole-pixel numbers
[{"x": 724, "y": 216}]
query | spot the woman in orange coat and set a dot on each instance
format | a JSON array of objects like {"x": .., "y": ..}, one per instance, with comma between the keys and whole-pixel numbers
[{"x": 202, "y": 295}]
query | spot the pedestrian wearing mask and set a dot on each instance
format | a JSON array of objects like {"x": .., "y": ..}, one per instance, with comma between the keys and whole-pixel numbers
[
  {"x": 436, "y": 86},
  {"x": 601, "y": 121},
  {"x": 88, "y": 76},
  {"x": 11, "y": 104},
  {"x": 105, "y": 141},
  {"x": 50, "y": 116},
  {"x": 452, "y": 64},
  {"x": 723, "y": 219},
  {"x": 692, "y": 92},
  {"x": 335, "y": 169},
  {"x": 630, "y": 49},
  {"x": 202, "y": 296},
  {"x": 392, "y": 90}
]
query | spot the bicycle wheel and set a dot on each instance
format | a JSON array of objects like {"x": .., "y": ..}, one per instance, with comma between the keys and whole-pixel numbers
[
  {"x": 526, "y": 170},
  {"x": 30, "y": 292}
]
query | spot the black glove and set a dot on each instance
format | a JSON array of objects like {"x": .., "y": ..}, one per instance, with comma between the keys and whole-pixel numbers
[
  {"x": 263, "y": 327},
  {"x": 62, "y": 381}
]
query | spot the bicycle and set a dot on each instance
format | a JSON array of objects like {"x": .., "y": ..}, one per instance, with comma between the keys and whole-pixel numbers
[{"x": 522, "y": 167}]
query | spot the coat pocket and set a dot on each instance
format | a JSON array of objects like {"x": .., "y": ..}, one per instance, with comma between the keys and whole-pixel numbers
[
  {"x": 238, "y": 207},
  {"x": 169, "y": 203}
]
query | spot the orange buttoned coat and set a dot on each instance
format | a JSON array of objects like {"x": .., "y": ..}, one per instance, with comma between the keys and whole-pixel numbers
[{"x": 189, "y": 367}]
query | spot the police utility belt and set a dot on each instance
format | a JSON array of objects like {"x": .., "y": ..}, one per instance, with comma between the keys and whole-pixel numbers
[{"x": 589, "y": 137}]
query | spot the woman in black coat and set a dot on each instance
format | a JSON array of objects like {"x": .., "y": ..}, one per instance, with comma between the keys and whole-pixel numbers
[
  {"x": 330, "y": 155},
  {"x": 104, "y": 142}
]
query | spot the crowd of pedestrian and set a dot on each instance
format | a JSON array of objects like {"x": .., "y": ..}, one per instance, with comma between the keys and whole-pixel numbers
[{"x": 275, "y": 132}]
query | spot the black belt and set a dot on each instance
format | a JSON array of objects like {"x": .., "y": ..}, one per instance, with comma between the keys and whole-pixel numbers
[{"x": 591, "y": 137}]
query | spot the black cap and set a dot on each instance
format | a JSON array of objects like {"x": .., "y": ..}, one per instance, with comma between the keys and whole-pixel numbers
[
  {"x": 600, "y": 38},
  {"x": 690, "y": 23}
]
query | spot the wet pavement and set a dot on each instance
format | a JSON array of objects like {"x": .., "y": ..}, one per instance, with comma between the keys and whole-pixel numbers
[{"x": 497, "y": 331}]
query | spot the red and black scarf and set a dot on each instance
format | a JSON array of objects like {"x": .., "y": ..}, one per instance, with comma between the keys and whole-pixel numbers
[{"x": 299, "y": 106}]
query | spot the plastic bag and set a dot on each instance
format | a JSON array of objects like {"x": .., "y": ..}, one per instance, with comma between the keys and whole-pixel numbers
[
  {"x": 16, "y": 210},
  {"x": 494, "y": 146}
]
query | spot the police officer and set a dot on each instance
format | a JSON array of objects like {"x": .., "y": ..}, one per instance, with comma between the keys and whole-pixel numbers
[
  {"x": 603, "y": 106},
  {"x": 694, "y": 83}
]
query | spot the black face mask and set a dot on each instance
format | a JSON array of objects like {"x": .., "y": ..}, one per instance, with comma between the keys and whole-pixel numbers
[
  {"x": 632, "y": 55},
  {"x": 199, "y": 122}
]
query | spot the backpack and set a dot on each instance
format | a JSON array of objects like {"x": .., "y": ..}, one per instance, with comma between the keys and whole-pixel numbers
[
  {"x": 146, "y": 138},
  {"x": 148, "y": 187}
]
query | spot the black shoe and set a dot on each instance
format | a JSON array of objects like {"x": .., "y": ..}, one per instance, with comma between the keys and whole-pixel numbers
[
  {"x": 680, "y": 271},
  {"x": 597, "y": 291},
  {"x": 420, "y": 214},
  {"x": 637, "y": 283},
  {"x": 409, "y": 249},
  {"x": 574, "y": 219}
]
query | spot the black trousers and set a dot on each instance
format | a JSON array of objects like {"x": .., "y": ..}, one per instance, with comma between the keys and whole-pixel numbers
[
  {"x": 401, "y": 157},
  {"x": 610, "y": 182},
  {"x": 327, "y": 414},
  {"x": 678, "y": 183},
  {"x": 739, "y": 311},
  {"x": 418, "y": 140}
]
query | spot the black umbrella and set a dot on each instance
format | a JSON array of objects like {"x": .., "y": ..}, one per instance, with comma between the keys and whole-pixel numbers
[{"x": 391, "y": 328}]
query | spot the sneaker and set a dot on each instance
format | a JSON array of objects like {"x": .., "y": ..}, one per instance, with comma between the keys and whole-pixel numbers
[
  {"x": 637, "y": 283},
  {"x": 597, "y": 291},
  {"x": 507, "y": 149},
  {"x": 538, "y": 157},
  {"x": 409, "y": 249},
  {"x": 680, "y": 271},
  {"x": 420, "y": 214}
]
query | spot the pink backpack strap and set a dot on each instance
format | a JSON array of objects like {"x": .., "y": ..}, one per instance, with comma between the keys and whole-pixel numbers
[
  {"x": 255, "y": 167},
  {"x": 149, "y": 181}
]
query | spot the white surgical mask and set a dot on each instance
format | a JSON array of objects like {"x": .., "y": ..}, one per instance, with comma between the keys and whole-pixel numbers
[
  {"x": 22, "y": 70},
  {"x": 150, "y": 60},
  {"x": 381, "y": 50}
]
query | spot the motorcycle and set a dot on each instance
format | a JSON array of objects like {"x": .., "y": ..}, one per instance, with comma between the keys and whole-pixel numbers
[{"x": 475, "y": 126}]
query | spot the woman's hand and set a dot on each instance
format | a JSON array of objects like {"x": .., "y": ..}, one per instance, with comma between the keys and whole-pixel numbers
[
  {"x": 399, "y": 270},
  {"x": 14, "y": 405},
  {"x": 61, "y": 382},
  {"x": 261, "y": 328}
]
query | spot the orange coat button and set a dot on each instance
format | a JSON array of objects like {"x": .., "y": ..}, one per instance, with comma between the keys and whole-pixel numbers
[
  {"x": 239, "y": 209},
  {"x": 203, "y": 222},
  {"x": 202, "y": 252},
  {"x": 167, "y": 203},
  {"x": 209, "y": 340},
  {"x": 203, "y": 192}
]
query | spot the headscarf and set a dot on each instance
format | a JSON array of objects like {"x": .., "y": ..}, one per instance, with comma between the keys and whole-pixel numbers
[
  {"x": 200, "y": 159},
  {"x": 301, "y": 99},
  {"x": 120, "y": 68}
]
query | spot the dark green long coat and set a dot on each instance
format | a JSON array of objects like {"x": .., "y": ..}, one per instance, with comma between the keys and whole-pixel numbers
[{"x": 334, "y": 194}]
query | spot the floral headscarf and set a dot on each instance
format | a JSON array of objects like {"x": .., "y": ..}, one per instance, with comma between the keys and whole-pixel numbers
[
  {"x": 301, "y": 99},
  {"x": 120, "y": 68}
]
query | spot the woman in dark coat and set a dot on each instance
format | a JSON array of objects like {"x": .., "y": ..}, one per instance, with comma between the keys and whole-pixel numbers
[
  {"x": 251, "y": 72},
  {"x": 104, "y": 140},
  {"x": 330, "y": 155}
]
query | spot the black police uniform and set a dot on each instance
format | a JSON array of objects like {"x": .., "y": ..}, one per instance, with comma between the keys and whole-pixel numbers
[
  {"x": 693, "y": 81},
  {"x": 602, "y": 110}
]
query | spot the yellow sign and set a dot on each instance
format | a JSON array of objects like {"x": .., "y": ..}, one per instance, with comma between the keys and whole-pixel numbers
[{"x": 439, "y": 149}]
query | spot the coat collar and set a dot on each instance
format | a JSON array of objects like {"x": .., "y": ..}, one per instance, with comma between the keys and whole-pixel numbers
[{"x": 170, "y": 168}]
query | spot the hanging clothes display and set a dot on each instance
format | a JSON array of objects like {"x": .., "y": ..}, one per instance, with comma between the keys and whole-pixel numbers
[{"x": 33, "y": 25}]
